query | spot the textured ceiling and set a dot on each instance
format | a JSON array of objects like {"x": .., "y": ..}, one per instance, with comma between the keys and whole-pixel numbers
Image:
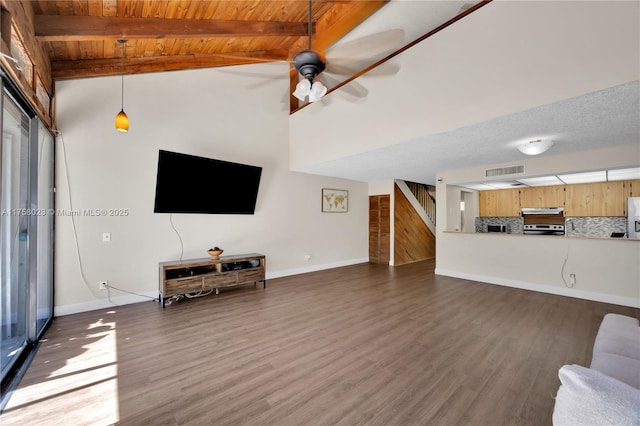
[{"x": 595, "y": 120}]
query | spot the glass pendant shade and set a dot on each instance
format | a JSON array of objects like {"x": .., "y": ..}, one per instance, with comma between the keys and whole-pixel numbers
[
  {"x": 302, "y": 89},
  {"x": 318, "y": 90},
  {"x": 122, "y": 122}
]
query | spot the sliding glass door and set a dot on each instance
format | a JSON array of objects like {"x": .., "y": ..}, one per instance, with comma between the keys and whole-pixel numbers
[
  {"x": 14, "y": 228},
  {"x": 26, "y": 233}
]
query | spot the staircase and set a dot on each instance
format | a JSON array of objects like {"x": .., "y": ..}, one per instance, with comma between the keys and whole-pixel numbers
[
  {"x": 414, "y": 232},
  {"x": 425, "y": 195}
]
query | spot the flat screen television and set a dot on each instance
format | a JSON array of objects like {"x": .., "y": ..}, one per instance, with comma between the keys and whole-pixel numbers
[{"x": 191, "y": 184}]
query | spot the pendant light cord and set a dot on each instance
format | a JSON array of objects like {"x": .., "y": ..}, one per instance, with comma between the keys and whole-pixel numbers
[
  {"x": 122, "y": 92},
  {"x": 122, "y": 74}
]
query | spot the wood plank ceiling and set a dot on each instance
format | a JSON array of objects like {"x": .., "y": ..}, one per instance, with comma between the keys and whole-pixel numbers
[{"x": 80, "y": 36}]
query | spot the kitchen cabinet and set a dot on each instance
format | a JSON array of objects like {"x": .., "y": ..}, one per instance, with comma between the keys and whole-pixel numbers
[
  {"x": 500, "y": 203},
  {"x": 595, "y": 199},
  {"x": 542, "y": 196},
  {"x": 632, "y": 188}
]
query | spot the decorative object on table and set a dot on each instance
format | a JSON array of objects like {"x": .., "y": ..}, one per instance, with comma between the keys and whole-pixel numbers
[
  {"x": 335, "y": 200},
  {"x": 215, "y": 252}
]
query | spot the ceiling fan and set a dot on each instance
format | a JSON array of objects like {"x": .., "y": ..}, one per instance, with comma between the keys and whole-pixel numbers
[
  {"x": 317, "y": 74},
  {"x": 311, "y": 63}
]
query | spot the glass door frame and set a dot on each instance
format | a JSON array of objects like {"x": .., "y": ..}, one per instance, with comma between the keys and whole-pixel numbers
[{"x": 33, "y": 331}]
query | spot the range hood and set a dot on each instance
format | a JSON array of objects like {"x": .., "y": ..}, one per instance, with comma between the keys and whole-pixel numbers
[{"x": 542, "y": 210}]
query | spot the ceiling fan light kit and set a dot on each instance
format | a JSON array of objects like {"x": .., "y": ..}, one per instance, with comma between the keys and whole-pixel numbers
[
  {"x": 535, "y": 147},
  {"x": 309, "y": 64}
]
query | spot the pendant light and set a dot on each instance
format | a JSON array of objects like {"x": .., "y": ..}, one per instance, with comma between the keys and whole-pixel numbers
[{"x": 122, "y": 121}]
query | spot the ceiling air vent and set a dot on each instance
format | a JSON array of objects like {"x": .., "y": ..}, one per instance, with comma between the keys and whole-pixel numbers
[{"x": 502, "y": 171}]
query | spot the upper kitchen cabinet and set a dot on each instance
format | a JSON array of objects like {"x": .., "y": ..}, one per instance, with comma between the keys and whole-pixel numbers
[
  {"x": 595, "y": 199},
  {"x": 632, "y": 188},
  {"x": 542, "y": 196},
  {"x": 500, "y": 203}
]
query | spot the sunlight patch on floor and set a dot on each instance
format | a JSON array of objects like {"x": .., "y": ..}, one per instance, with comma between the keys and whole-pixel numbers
[{"x": 85, "y": 375}]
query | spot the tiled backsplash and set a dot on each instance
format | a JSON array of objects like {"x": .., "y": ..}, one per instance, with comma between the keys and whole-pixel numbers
[
  {"x": 598, "y": 227},
  {"x": 515, "y": 225}
]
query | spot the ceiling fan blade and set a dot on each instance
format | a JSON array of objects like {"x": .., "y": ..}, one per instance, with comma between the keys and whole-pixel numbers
[
  {"x": 353, "y": 91},
  {"x": 260, "y": 78},
  {"x": 367, "y": 46},
  {"x": 234, "y": 71},
  {"x": 348, "y": 68}
]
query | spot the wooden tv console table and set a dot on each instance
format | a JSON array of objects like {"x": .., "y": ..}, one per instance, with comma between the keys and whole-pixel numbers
[{"x": 209, "y": 274}]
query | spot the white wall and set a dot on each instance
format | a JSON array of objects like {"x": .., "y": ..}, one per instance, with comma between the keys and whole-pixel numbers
[
  {"x": 606, "y": 269},
  {"x": 492, "y": 56},
  {"x": 209, "y": 113}
]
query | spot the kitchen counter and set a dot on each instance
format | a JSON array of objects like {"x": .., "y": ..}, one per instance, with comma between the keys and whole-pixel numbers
[
  {"x": 589, "y": 268},
  {"x": 570, "y": 237}
]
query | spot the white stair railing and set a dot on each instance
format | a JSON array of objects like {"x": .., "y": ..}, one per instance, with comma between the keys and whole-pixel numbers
[{"x": 425, "y": 197}]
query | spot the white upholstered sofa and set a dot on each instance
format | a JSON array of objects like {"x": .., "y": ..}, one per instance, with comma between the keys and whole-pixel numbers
[{"x": 607, "y": 393}]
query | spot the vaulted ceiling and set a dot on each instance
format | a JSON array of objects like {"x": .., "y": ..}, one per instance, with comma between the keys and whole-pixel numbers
[
  {"x": 69, "y": 39},
  {"x": 80, "y": 36}
]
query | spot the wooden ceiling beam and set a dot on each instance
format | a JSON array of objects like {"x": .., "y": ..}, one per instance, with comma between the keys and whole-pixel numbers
[
  {"x": 83, "y": 28},
  {"x": 341, "y": 19},
  {"x": 63, "y": 70}
]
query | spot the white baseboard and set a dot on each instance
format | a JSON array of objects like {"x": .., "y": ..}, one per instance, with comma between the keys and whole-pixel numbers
[
  {"x": 131, "y": 298},
  {"x": 314, "y": 268},
  {"x": 93, "y": 305},
  {"x": 544, "y": 288}
]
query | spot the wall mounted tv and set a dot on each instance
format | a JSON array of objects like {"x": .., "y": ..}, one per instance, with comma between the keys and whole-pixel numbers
[{"x": 190, "y": 184}]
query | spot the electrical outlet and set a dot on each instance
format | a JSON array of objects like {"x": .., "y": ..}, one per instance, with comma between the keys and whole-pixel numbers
[
  {"x": 103, "y": 285},
  {"x": 572, "y": 278},
  {"x": 307, "y": 257}
]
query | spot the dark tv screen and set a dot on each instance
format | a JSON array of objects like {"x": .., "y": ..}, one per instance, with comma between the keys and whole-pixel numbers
[{"x": 191, "y": 184}]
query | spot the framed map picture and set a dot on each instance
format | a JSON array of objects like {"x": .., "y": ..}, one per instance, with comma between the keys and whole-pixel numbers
[{"x": 335, "y": 200}]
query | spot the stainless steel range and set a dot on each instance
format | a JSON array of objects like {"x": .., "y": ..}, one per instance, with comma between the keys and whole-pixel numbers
[{"x": 543, "y": 229}]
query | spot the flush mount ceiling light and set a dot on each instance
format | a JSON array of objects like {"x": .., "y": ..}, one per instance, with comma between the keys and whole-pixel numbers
[
  {"x": 535, "y": 147},
  {"x": 122, "y": 121}
]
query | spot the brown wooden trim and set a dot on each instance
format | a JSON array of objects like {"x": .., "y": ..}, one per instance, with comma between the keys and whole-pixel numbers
[
  {"x": 18, "y": 16},
  {"x": 293, "y": 82},
  {"x": 342, "y": 19},
  {"x": 103, "y": 67},
  {"x": 83, "y": 28},
  {"x": 408, "y": 46}
]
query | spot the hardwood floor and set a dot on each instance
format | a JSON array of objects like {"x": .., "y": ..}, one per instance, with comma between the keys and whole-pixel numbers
[{"x": 364, "y": 344}]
